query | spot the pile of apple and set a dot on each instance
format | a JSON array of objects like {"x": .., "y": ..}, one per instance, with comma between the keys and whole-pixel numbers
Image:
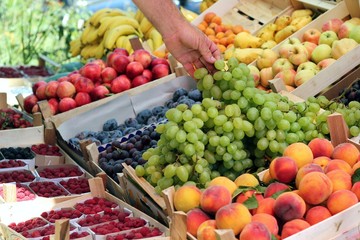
[
  {"x": 308, "y": 184},
  {"x": 98, "y": 79},
  {"x": 299, "y": 59}
]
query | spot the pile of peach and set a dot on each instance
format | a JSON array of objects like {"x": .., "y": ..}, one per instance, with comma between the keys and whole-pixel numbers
[
  {"x": 218, "y": 32},
  {"x": 306, "y": 185}
]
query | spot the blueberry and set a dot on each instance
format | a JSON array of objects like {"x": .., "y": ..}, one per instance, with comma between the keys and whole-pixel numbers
[
  {"x": 143, "y": 116},
  {"x": 118, "y": 168},
  {"x": 151, "y": 120},
  {"x": 178, "y": 93},
  {"x": 131, "y": 122},
  {"x": 110, "y": 125},
  {"x": 188, "y": 102},
  {"x": 168, "y": 103},
  {"x": 124, "y": 154},
  {"x": 157, "y": 110},
  {"x": 128, "y": 161},
  {"x": 102, "y": 135},
  {"x": 153, "y": 143},
  {"x": 121, "y": 127},
  {"x": 195, "y": 95},
  {"x": 134, "y": 164},
  {"x": 116, "y": 134},
  {"x": 129, "y": 130}
]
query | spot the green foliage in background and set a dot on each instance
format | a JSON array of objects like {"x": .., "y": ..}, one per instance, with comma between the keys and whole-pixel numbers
[{"x": 29, "y": 28}]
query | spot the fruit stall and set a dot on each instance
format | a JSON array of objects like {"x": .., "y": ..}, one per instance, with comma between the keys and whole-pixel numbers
[{"x": 105, "y": 136}]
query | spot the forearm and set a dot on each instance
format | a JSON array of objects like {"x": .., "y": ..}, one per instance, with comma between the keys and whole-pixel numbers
[{"x": 163, "y": 14}]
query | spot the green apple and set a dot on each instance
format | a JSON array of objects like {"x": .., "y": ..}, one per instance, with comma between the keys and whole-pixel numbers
[
  {"x": 355, "y": 33},
  {"x": 321, "y": 52},
  {"x": 308, "y": 66},
  {"x": 328, "y": 37},
  {"x": 281, "y": 64},
  {"x": 303, "y": 76}
]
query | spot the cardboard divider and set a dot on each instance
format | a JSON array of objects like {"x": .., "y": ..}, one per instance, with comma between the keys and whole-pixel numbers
[
  {"x": 45, "y": 109},
  {"x": 9, "y": 192},
  {"x": 3, "y": 100},
  {"x": 20, "y": 100},
  {"x": 62, "y": 229}
]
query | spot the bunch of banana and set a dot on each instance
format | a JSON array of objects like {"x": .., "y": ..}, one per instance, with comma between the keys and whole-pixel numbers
[
  {"x": 189, "y": 15},
  {"x": 205, "y": 4},
  {"x": 285, "y": 25}
]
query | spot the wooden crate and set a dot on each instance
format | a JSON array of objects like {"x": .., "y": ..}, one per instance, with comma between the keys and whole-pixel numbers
[
  {"x": 338, "y": 69},
  {"x": 20, "y": 212}
]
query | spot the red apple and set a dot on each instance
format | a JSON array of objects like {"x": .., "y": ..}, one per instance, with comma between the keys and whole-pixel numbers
[
  {"x": 142, "y": 56},
  {"x": 37, "y": 85},
  {"x": 312, "y": 35},
  {"x": 325, "y": 63},
  {"x": 54, "y": 105},
  {"x": 345, "y": 29},
  {"x": 148, "y": 74},
  {"x": 84, "y": 85},
  {"x": 29, "y": 102},
  {"x": 40, "y": 92},
  {"x": 73, "y": 77},
  {"x": 120, "y": 63},
  {"x": 99, "y": 92},
  {"x": 63, "y": 79},
  {"x": 303, "y": 76},
  {"x": 51, "y": 89},
  {"x": 82, "y": 98},
  {"x": 134, "y": 69},
  {"x": 332, "y": 25},
  {"x": 65, "y": 89},
  {"x": 288, "y": 76},
  {"x": 91, "y": 71},
  {"x": 66, "y": 104},
  {"x": 107, "y": 85},
  {"x": 108, "y": 74},
  {"x": 255, "y": 72},
  {"x": 266, "y": 74},
  {"x": 122, "y": 51},
  {"x": 281, "y": 64},
  {"x": 139, "y": 80},
  {"x": 285, "y": 50},
  {"x": 160, "y": 70},
  {"x": 299, "y": 54},
  {"x": 156, "y": 61},
  {"x": 99, "y": 62},
  {"x": 120, "y": 84},
  {"x": 309, "y": 47}
]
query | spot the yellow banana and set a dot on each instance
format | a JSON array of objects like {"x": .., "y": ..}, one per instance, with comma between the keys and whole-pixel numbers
[
  {"x": 75, "y": 47},
  {"x": 99, "y": 51},
  {"x": 92, "y": 36},
  {"x": 145, "y": 25},
  {"x": 112, "y": 22},
  {"x": 87, "y": 29},
  {"x": 139, "y": 15},
  {"x": 88, "y": 51},
  {"x": 112, "y": 13},
  {"x": 113, "y": 35},
  {"x": 127, "y": 44},
  {"x": 150, "y": 43},
  {"x": 120, "y": 41},
  {"x": 156, "y": 37},
  {"x": 98, "y": 13},
  {"x": 147, "y": 34}
]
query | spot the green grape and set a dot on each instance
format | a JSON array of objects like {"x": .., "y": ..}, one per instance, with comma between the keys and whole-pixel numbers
[
  {"x": 154, "y": 160},
  {"x": 196, "y": 109},
  {"x": 180, "y": 136},
  {"x": 301, "y": 107},
  {"x": 249, "y": 92},
  {"x": 187, "y": 115},
  {"x": 208, "y": 102},
  {"x": 240, "y": 85},
  {"x": 232, "y": 63},
  {"x": 220, "y": 120},
  {"x": 252, "y": 114},
  {"x": 260, "y": 162},
  {"x": 214, "y": 174},
  {"x": 160, "y": 128},
  {"x": 170, "y": 171},
  {"x": 199, "y": 146},
  {"x": 235, "y": 95},
  {"x": 259, "y": 153},
  {"x": 190, "y": 126},
  {"x": 218, "y": 75},
  {"x": 192, "y": 137},
  {"x": 224, "y": 141},
  {"x": 294, "y": 127},
  {"x": 304, "y": 122},
  {"x": 198, "y": 122},
  {"x": 150, "y": 169},
  {"x": 283, "y": 106},
  {"x": 266, "y": 113},
  {"x": 227, "y": 76},
  {"x": 290, "y": 116},
  {"x": 199, "y": 85},
  {"x": 199, "y": 168},
  {"x": 259, "y": 124},
  {"x": 227, "y": 95},
  {"x": 219, "y": 130},
  {"x": 174, "y": 115},
  {"x": 237, "y": 73},
  {"x": 271, "y": 134},
  {"x": 189, "y": 149},
  {"x": 238, "y": 166},
  {"x": 228, "y": 126},
  {"x": 259, "y": 99},
  {"x": 219, "y": 64},
  {"x": 182, "y": 173},
  {"x": 314, "y": 107},
  {"x": 291, "y": 138},
  {"x": 246, "y": 126},
  {"x": 263, "y": 143},
  {"x": 209, "y": 156},
  {"x": 147, "y": 154},
  {"x": 274, "y": 146},
  {"x": 230, "y": 135},
  {"x": 277, "y": 115},
  {"x": 231, "y": 148},
  {"x": 354, "y": 104},
  {"x": 203, "y": 116},
  {"x": 223, "y": 85},
  {"x": 284, "y": 125},
  {"x": 206, "y": 94},
  {"x": 214, "y": 140},
  {"x": 183, "y": 159},
  {"x": 212, "y": 112},
  {"x": 229, "y": 110},
  {"x": 354, "y": 131},
  {"x": 200, "y": 73},
  {"x": 243, "y": 103},
  {"x": 324, "y": 128},
  {"x": 164, "y": 149},
  {"x": 308, "y": 135},
  {"x": 260, "y": 134},
  {"x": 301, "y": 135},
  {"x": 239, "y": 134},
  {"x": 280, "y": 135},
  {"x": 208, "y": 82},
  {"x": 237, "y": 122},
  {"x": 271, "y": 105},
  {"x": 174, "y": 143},
  {"x": 220, "y": 150},
  {"x": 247, "y": 163},
  {"x": 228, "y": 164},
  {"x": 216, "y": 92},
  {"x": 171, "y": 132},
  {"x": 270, "y": 124},
  {"x": 182, "y": 107},
  {"x": 139, "y": 170},
  {"x": 204, "y": 177},
  {"x": 164, "y": 183},
  {"x": 158, "y": 189},
  {"x": 170, "y": 157}
]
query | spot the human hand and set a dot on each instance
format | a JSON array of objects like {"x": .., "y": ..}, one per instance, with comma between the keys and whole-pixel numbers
[{"x": 192, "y": 48}]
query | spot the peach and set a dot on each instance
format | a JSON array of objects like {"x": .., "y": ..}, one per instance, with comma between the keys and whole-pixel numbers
[
  {"x": 269, "y": 221},
  {"x": 206, "y": 230},
  {"x": 310, "y": 167},
  {"x": 226, "y": 215},
  {"x": 340, "y": 179},
  {"x": 267, "y": 177},
  {"x": 246, "y": 180},
  {"x": 321, "y": 161},
  {"x": 283, "y": 169},
  {"x": 293, "y": 226},
  {"x": 317, "y": 214},
  {"x": 315, "y": 187},
  {"x": 255, "y": 230},
  {"x": 275, "y": 187},
  {"x": 195, "y": 218},
  {"x": 186, "y": 198},
  {"x": 266, "y": 205},
  {"x": 223, "y": 181},
  {"x": 213, "y": 198},
  {"x": 356, "y": 166},
  {"x": 341, "y": 200},
  {"x": 321, "y": 147},
  {"x": 289, "y": 206},
  {"x": 356, "y": 189},
  {"x": 244, "y": 196},
  {"x": 300, "y": 152},
  {"x": 347, "y": 152},
  {"x": 338, "y": 164}
]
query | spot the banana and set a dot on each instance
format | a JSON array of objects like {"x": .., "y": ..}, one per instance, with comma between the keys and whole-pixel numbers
[
  {"x": 86, "y": 31},
  {"x": 97, "y": 14},
  {"x": 120, "y": 41},
  {"x": 112, "y": 13},
  {"x": 156, "y": 38},
  {"x": 147, "y": 34},
  {"x": 99, "y": 51},
  {"x": 92, "y": 36},
  {"x": 113, "y": 35},
  {"x": 75, "y": 47},
  {"x": 127, "y": 44},
  {"x": 145, "y": 25},
  {"x": 150, "y": 43},
  {"x": 139, "y": 15},
  {"x": 112, "y": 22},
  {"x": 88, "y": 51}
]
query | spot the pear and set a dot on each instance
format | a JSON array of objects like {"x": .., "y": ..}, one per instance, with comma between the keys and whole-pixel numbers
[
  {"x": 342, "y": 46},
  {"x": 284, "y": 33},
  {"x": 268, "y": 44},
  {"x": 301, "y": 13},
  {"x": 268, "y": 32},
  {"x": 282, "y": 21},
  {"x": 301, "y": 21},
  {"x": 247, "y": 55},
  {"x": 246, "y": 40}
]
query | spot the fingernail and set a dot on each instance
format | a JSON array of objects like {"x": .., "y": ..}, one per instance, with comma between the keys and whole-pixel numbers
[{"x": 212, "y": 59}]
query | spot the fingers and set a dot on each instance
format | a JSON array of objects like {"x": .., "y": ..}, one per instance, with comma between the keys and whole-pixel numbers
[{"x": 189, "y": 69}]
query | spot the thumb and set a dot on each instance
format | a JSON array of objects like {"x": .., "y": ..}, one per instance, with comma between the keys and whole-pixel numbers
[{"x": 205, "y": 50}]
